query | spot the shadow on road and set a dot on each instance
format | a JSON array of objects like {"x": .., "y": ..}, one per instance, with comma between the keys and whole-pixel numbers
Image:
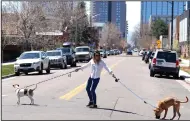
[
  {"x": 64, "y": 69},
  {"x": 34, "y": 105},
  {"x": 109, "y": 109},
  {"x": 36, "y": 74}
]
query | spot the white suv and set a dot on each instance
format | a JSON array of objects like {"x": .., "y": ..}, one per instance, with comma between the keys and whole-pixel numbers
[
  {"x": 165, "y": 62},
  {"x": 83, "y": 53},
  {"x": 32, "y": 61}
]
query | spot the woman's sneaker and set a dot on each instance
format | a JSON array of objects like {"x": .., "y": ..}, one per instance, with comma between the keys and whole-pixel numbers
[
  {"x": 89, "y": 104},
  {"x": 93, "y": 106}
]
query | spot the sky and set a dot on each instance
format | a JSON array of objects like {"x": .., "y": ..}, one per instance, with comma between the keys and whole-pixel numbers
[{"x": 133, "y": 16}]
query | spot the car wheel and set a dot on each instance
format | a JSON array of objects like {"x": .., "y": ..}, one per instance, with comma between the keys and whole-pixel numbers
[
  {"x": 17, "y": 73},
  {"x": 26, "y": 73},
  {"x": 41, "y": 69},
  {"x": 151, "y": 73},
  {"x": 176, "y": 76},
  {"x": 74, "y": 64},
  {"x": 149, "y": 66},
  {"x": 62, "y": 65},
  {"x": 48, "y": 69},
  {"x": 65, "y": 65}
]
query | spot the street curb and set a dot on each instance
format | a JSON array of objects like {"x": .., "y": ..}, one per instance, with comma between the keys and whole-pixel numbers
[
  {"x": 8, "y": 76},
  {"x": 184, "y": 76}
]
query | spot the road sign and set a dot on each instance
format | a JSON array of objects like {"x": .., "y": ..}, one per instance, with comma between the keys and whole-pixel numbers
[{"x": 158, "y": 43}]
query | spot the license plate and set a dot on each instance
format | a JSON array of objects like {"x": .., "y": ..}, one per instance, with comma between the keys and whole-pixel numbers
[
  {"x": 25, "y": 69},
  {"x": 159, "y": 63}
]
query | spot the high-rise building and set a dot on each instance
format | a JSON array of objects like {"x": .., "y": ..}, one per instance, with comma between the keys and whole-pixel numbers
[
  {"x": 160, "y": 8},
  {"x": 187, "y": 6},
  {"x": 110, "y": 11}
]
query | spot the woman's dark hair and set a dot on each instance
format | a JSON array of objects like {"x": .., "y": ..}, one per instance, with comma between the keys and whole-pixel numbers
[{"x": 96, "y": 53}]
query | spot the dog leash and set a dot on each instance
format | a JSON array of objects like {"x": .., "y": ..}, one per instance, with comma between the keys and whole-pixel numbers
[
  {"x": 68, "y": 73},
  {"x": 117, "y": 80}
]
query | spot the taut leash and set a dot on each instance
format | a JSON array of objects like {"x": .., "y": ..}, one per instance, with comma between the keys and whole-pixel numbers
[
  {"x": 68, "y": 73},
  {"x": 117, "y": 80}
]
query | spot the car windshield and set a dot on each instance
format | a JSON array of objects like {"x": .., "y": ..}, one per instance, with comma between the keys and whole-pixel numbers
[
  {"x": 53, "y": 53},
  {"x": 29, "y": 56},
  {"x": 167, "y": 56},
  {"x": 64, "y": 50},
  {"x": 82, "y": 49}
]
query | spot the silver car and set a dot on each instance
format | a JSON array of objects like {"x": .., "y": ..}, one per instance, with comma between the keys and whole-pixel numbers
[
  {"x": 83, "y": 53},
  {"x": 57, "y": 59}
]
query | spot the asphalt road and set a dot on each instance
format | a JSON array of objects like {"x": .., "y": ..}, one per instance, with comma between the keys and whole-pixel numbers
[{"x": 65, "y": 97}]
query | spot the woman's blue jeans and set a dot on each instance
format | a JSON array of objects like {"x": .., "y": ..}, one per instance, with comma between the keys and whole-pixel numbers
[{"x": 91, "y": 87}]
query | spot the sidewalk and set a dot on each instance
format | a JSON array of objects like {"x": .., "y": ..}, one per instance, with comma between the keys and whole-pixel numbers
[
  {"x": 185, "y": 75},
  {"x": 184, "y": 63}
]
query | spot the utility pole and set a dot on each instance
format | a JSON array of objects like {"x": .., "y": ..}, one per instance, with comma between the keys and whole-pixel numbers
[
  {"x": 188, "y": 35},
  {"x": 172, "y": 25}
]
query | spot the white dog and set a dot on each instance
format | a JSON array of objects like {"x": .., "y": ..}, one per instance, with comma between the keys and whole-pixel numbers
[{"x": 24, "y": 92}]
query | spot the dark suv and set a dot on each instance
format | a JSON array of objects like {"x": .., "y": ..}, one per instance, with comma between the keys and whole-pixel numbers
[
  {"x": 165, "y": 62},
  {"x": 70, "y": 55}
]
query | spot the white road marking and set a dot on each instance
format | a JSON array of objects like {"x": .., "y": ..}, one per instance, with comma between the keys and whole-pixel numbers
[
  {"x": 3, "y": 80},
  {"x": 4, "y": 95},
  {"x": 184, "y": 84}
]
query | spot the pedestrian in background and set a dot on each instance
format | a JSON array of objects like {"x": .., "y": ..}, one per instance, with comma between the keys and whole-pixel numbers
[{"x": 97, "y": 64}]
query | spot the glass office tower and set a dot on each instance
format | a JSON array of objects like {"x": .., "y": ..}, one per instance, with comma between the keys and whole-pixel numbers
[
  {"x": 110, "y": 11},
  {"x": 160, "y": 8}
]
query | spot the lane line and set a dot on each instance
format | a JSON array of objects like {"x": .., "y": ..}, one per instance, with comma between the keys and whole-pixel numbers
[
  {"x": 78, "y": 89},
  {"x": 4, "y": 95},
  {"x": 184, "y": 84}
]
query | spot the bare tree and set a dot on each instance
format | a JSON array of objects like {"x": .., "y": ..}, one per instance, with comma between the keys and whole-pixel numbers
[
  {"x": 110, "y": 35},
  {"x": 9, "y": 27},
  {"x": 142, "y": 37}
]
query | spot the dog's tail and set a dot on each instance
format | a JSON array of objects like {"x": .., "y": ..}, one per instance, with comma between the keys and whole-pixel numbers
[
  {"x": 185, "y": 101},
  {"x": 34, "y": 88}
]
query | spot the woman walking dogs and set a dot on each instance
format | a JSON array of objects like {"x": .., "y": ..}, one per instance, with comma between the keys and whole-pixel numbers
[{"x": 96, "y": 68}]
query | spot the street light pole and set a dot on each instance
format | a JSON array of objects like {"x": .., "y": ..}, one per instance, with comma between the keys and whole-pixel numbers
[{"x": 172, "y": 25}]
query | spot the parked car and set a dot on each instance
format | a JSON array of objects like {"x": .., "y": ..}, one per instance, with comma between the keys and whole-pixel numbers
[
  {"x": 32, "y": 61},
  {"x": 57, "y": 59},
  {"x": 70, "y": 54},
  {"x": 141, "y": 53},
  {"x": 103, "y": 53},
  {"x": 165, "y": 62},
  {"x": 129, "y": 52},
  {"x": 147, "y": 56},
  {"x": 83, "y": 53},
  {"x": 108, "y": 52},
  {"x": 144, "y": 54},
  {"x": 150, "y": 59},
  {"x": 111, "y": 52},
  {"x": 116, "y": 52}
]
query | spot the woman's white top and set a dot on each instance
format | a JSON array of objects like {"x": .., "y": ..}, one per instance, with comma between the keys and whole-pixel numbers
[{"x": 96, "y": 69}]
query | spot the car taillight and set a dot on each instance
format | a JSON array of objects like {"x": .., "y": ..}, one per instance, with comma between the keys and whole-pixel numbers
[
  {"x": 154, "y": 61},
  {"x": 177, "y": 63}
]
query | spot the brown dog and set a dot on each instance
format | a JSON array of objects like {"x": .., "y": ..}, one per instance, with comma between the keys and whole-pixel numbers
[{"x": 165, "y": 104}]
